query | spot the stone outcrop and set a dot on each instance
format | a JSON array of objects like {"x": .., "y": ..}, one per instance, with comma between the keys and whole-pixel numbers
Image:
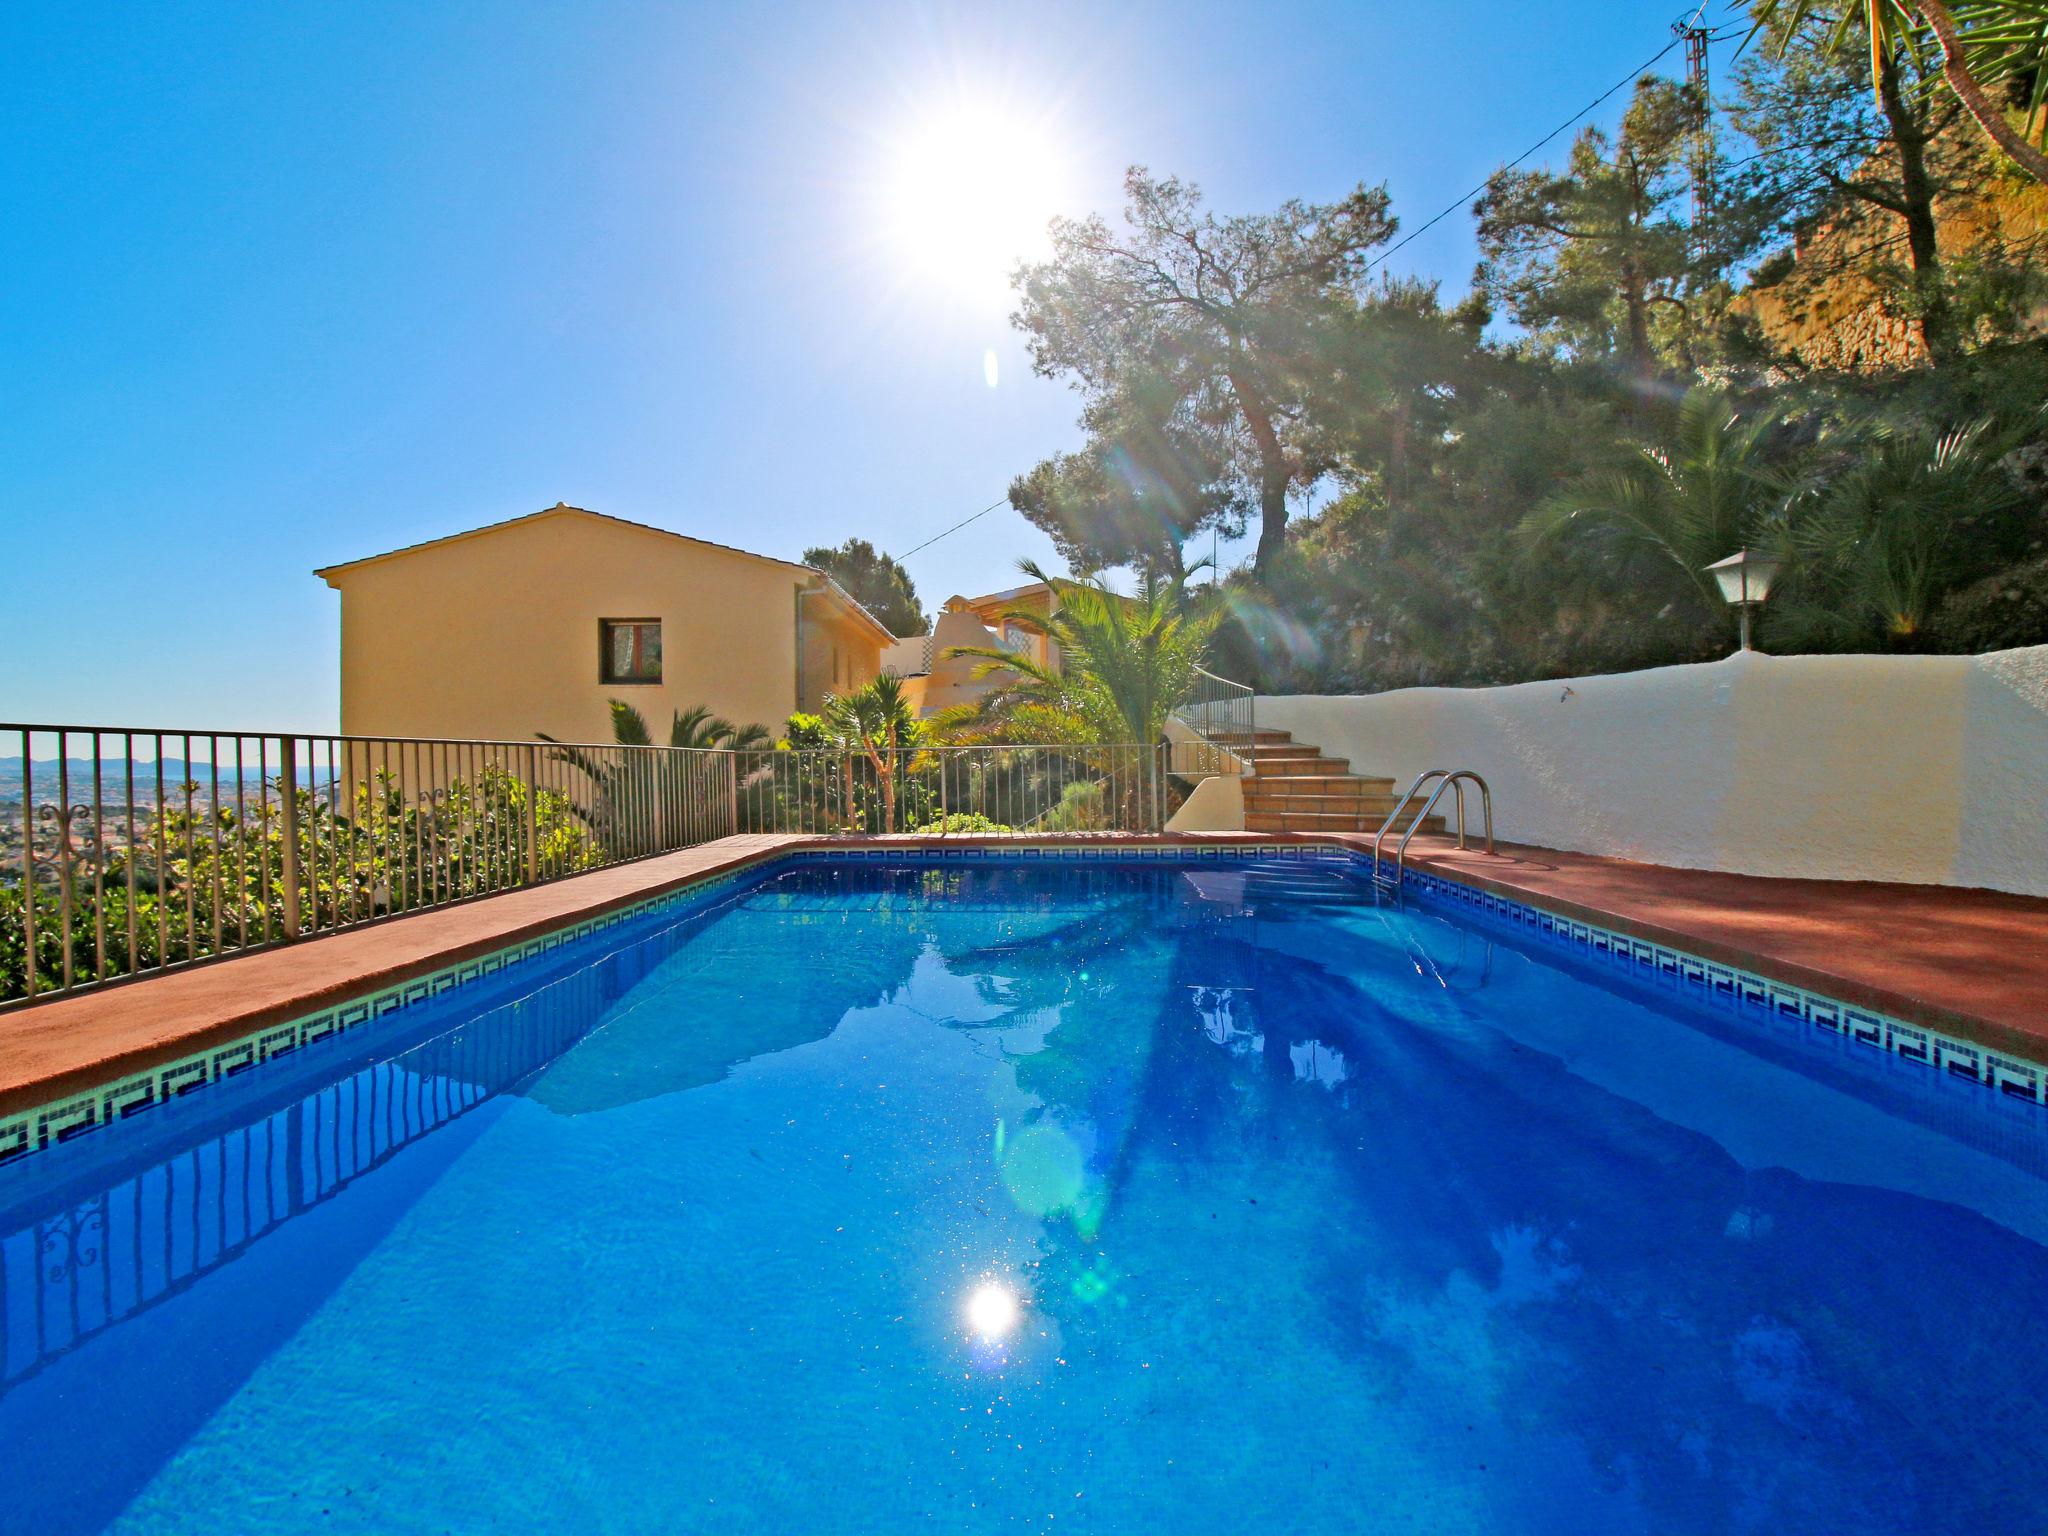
[{"x": 1831, "y": 308}]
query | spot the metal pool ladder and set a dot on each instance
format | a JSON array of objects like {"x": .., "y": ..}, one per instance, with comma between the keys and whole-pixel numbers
[{"x": 1443, "y": 779}]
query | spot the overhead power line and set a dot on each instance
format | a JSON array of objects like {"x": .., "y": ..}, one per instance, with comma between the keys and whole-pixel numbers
[
  {"x": 928, "y": 543},
  {"x": 1630, "y": 78},
  {"x": 1449, "y": 209}
]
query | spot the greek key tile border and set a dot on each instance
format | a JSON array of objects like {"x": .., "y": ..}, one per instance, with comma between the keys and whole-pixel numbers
[
  {"x": 52, "y": 1124},
  {"x": 49, "y": 1125},
  {"x": 1086, "y": 853},
  {"x": 2007, "y": 1075}
]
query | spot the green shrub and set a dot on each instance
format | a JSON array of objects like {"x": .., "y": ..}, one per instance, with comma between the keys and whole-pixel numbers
[
  {"x": 962, "y": 821},
  {"x": 210, "y": 879}
]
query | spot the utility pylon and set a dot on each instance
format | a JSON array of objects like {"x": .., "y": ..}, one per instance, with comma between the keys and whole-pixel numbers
[{"x": 1696, "y": 37}]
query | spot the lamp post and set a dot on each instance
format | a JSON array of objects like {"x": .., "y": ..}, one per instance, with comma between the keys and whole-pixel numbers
[{"x": 1745, "y": 579}]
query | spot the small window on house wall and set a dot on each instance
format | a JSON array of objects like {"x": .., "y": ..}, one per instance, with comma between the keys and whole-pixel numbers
[{"x": 629, "y": 650}]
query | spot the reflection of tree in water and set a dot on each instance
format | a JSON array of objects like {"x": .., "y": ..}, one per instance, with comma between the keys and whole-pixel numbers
[
  {"x": 1739, "y": 1348},
  {"x": 724, "y": 992},
  {"x": 1067, "y": 956},
  {"x": 1095, "y": 972},
  {"x": 716, "y": 994},
  {"x": 1127, "y": 1046}
]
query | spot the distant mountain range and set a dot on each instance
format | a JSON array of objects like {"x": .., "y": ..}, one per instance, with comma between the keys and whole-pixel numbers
[{"x": 114, "y": 781}]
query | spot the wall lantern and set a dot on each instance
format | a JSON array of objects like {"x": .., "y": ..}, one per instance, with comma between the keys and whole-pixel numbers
[{"x": 1745, "y": 578}]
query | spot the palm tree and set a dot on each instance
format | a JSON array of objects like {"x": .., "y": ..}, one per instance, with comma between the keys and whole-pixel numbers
[
  {"x": 875, "y": 720},
  {"x": 694, "y": 728},
  {"x": 638, "y": 792},
  {"x": 1983, "y": 44},
  {"x": 1875, "y": 549},
  {"x": 1125, "y": 663},
  {"x": 1715, "y": 489}
]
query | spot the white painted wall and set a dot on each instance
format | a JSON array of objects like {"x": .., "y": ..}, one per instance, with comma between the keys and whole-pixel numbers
[
  {"x": 908, "y": 658},
  {"x": 1216, "y": 804},
  {"x": 1931, "y": 769}
]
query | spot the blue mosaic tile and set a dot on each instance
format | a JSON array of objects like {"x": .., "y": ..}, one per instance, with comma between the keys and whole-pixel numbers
[
  {"x": 1784, "y": 1007},
  {"x": 182, "y": 1078},
  {"x": 2021, "y": 1078},
  {"x": 63, "y": 1121},
  {"x": 129, "y": 1098},
  {"x": 1904, "y": 1040}
]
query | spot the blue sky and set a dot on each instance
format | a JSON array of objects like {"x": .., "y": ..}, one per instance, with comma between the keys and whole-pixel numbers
[{"x": 289, "y": 285}]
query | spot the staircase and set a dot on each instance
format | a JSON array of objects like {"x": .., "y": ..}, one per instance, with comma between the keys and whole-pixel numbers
[{"x": 1298, "y": 788}]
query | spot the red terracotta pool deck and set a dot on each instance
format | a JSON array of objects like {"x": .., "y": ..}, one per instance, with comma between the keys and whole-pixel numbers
[
  {"x": 50, "y": 1050},
  {"x": 1970, "y": 963},
  {"x": 1967, "y": 962}
]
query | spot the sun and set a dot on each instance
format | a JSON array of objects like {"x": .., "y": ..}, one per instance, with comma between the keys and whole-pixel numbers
[
  {"x": 992, "y": 1311},
  {"x": 970, "y": 191}
]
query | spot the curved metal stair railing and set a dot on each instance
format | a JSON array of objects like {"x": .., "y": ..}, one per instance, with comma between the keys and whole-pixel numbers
[
  {"x": 1222, "y": 712},
  {"x": 1452, "y": 779}
]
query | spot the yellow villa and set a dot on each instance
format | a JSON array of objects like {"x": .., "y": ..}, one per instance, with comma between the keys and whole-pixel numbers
[
  {"x": 935, "y": 679},
  {"x": 535, "y": 623}
]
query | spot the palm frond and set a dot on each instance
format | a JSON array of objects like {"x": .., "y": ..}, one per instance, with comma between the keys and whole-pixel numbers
[{"x": 629, "y": 726}]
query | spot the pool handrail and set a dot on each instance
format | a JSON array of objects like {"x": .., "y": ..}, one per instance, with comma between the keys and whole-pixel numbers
[
  {"x": 1451, "y": 779},
  {"x": 1401, "y": 805}
]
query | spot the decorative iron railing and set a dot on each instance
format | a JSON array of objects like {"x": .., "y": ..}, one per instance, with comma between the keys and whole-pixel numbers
[
  {"x": 1219, "y": 710},
  {"x": 950, "y": 789},
  {"x": 126, "y": 852}
]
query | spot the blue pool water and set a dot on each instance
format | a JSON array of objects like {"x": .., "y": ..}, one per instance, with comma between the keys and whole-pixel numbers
[{"x": 1316, "y": 1215}]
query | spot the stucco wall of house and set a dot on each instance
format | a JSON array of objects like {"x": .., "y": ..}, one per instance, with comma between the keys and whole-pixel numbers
[
  {"x": 909, "y": 657},
  {"x": 496, "y": 635},
  {"x": 840, "y": 656},
  {"x": 951, "y": 681},
  {"x": 1930, "y": 769}
]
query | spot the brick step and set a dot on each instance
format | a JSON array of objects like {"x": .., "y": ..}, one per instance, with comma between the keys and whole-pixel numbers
[
  {"x": 1258, "y": 738},
  {"x": 1298, "y": 763},
  {"x": 1348, "y": 810},
  {"x": 1324, "y": 821},
  {"x": 1341, "y": 791},
  {"x": 1351, "y": 784},
  {"x": 1295, "y": 786}
]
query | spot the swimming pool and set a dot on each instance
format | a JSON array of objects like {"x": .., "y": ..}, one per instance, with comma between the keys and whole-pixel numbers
[{"x": 1004, "y": 1194}]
